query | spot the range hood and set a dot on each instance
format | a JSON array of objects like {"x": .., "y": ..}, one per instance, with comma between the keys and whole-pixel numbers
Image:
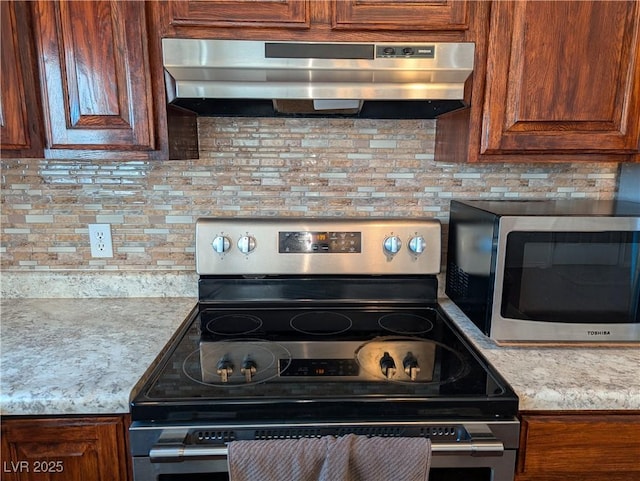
[{"x": 258, "y": 78}]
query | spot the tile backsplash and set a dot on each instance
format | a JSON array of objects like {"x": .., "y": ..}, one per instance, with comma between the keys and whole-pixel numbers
[{"x": 253, "y": 167}]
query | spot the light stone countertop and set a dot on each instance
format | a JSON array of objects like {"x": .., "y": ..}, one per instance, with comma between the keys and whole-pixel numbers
[
  {"x": 79, "y": 356},
  {"x": 559, "y": 377}
]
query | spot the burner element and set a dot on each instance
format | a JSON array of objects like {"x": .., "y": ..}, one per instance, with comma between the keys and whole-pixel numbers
[
  {"x": 233, "y": 324},
  {"x": 321, "y": 323},
  {"x": 406, "y": 324}
]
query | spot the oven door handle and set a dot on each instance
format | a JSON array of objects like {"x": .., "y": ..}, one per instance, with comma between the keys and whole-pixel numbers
[
  {"x": 170, "y": 453},
  {"x": 475, "y": 448}
]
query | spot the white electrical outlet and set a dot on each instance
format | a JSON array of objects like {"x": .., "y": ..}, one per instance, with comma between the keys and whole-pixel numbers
[{"x": 100, "y": 239}]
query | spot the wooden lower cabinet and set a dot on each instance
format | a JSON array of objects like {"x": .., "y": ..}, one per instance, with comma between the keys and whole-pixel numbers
[
  {"x": 579, "y": 447},
  {"x": 554, "y": 446},
  {"x": 65, "y": 449}
]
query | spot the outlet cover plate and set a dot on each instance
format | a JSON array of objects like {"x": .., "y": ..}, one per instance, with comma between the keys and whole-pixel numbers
[{"x": 100, "y": 240}]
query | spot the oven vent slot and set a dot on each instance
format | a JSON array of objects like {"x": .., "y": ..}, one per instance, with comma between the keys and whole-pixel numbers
[
  {"x": 319, "y": 432},
  {"x": 436, "y": 433},
  {"x": 214, "y": 436},
  {"x": 266, "y": 434},
  {"x": 457, "y": 280},
  {"x": 442, "y": 432},
  {"x": 384, "y": 432}
]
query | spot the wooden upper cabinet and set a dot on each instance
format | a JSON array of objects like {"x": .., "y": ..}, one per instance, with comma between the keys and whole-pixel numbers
[
  {"x": 400, "y": 14},
  {"x": 20, "y": 117},
  {"x": 96, "y": 79},
  {"x": 257, "y": 13},
  {"x": 563, "y": 77},
  {"x": 554, "y": 81},
  {"x": 312, "y": 20}
]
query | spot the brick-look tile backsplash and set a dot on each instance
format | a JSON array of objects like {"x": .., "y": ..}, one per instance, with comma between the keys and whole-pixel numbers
[{"x": 253, "y": 167}]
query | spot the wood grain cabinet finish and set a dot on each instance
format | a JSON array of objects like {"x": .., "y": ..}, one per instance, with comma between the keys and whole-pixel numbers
[
  {"x": 21, "y": 132},
  {"x": 579, "y": 447},
  {"x": 563, "y": 76},
  {"x": 400, "y": 15},
  {"x": 96, "y": 79},
  {"x": 258, "y": 13},
  {"x": 312, "y": 20},
  {"x": 69, "y": 449},
  {"x": 560, "y": 82}
]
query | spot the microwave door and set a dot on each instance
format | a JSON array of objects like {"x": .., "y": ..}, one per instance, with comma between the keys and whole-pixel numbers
[
  {"x": 571, "y": 277},
  {"x": 561, "y": 278}
]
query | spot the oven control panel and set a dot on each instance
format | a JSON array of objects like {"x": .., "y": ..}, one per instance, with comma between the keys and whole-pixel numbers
[
  {"x": 319, "y": 242},
  {"x": 317, "y": 246},
  {"x": 245, "y": 361}
]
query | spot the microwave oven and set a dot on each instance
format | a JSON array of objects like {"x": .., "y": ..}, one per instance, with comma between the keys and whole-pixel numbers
[{"x": 547, "y": 271}]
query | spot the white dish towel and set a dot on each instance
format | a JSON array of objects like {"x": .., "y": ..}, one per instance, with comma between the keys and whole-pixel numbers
[{"x": 346, "y": 458}]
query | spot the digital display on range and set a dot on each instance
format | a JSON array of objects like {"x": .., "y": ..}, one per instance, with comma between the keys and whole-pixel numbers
[
  {"x": 318, "y": 367},
  {"x": 319, "y": 242}
]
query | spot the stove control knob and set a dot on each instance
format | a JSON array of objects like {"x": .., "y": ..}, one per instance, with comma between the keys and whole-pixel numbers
[
  {"x": 248, "y": 368},
  {"x": 221, "y": 244},
  {"x": 392, "y": 244},
  {"x": 387, "y": 365},
  {"x": 246, "y": 244},
  {"x": 224, "y": 368},
  {"x": 417, "y": 244},
  {"x": 410, "y": 364}
]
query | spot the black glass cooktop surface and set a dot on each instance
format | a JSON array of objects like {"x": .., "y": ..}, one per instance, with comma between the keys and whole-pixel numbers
[{"x": 320, "y": 362}]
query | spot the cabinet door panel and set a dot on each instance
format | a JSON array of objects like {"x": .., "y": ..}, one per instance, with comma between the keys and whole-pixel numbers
[
  {"x": 95, "y": 74},
  {"x": 73, "y": 449},
  {"x": 20, "y": 118},
  {"x": 563, "y": 76},
  {"x": 229, "y": 13},
  {"x": 579, "y": 447},
  {"x": 75, "y": 459},
  {"x": 400, "y": 14}
]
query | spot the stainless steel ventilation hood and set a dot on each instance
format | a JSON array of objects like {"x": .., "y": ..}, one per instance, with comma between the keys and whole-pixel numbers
[{"x": 239, "y": 77}]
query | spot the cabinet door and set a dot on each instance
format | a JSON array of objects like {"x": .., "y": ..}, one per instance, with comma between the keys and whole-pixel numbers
[
  {"x": 20, "y": 117},
  {"x": 564, "y": 77},
  {"x": 73, "y": 449},
  {"x": 579, "y": 447},
  {"x": 96, "y": 80},
  {"x": 227, "y": 13},
  {"x": 399, "y": 15}
]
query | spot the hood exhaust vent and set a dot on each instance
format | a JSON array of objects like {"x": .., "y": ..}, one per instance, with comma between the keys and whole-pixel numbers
[{"x": 256, "y": 78}]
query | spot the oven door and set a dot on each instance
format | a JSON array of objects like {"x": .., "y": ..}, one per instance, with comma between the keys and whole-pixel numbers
[
  {"x": 478, "y": 452},
  {"x": 567, "y": 279}
]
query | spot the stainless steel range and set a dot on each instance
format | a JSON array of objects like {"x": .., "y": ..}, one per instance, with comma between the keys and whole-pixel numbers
[{"x": 320, "y": 327}]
